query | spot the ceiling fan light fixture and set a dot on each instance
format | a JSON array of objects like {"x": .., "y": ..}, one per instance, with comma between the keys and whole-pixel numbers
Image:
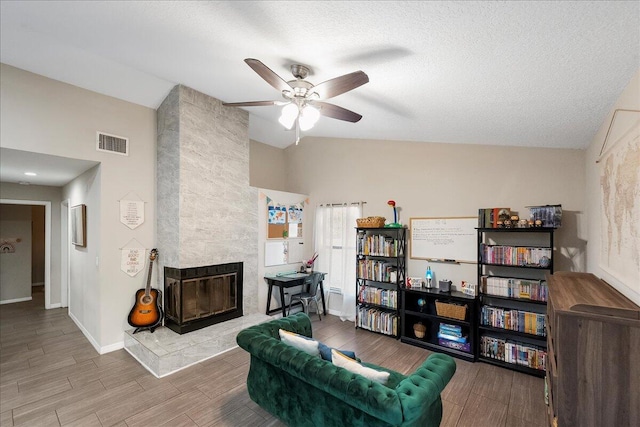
[
  {"x": 289, "y": 115},
  {"x": 303, "y": 101},
  {"x": 308, "y": 117}
]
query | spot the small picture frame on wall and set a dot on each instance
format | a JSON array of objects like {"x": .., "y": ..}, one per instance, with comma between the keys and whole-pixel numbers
[{"x": 79, "y": 225}]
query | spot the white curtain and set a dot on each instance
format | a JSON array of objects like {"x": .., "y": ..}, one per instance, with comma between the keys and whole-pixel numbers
[{"x": 335, "y": 240}]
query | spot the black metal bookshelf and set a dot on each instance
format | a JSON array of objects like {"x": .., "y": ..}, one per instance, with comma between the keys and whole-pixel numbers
[
  {"x": 490, "y": 337},
  {"x": 380, "y": 266}
]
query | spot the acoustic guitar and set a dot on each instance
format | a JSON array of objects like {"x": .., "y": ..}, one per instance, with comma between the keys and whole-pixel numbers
[{"x": 146, "y": 313}]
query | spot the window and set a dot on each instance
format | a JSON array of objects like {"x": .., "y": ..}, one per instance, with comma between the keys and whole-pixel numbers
[{"x": 335, "y": 243}]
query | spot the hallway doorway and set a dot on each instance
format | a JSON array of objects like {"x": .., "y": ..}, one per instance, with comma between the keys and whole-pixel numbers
[{"x": 18, "y": 277}]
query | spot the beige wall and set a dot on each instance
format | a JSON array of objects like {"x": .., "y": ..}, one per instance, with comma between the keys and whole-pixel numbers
[
  {"x": 46, "y": 116},
  {"x": 267, "y": 166},
  {"x": 629, "y": 99},
  {"x": 432, "y": 180},
  {"x": 88, "y": 302}
]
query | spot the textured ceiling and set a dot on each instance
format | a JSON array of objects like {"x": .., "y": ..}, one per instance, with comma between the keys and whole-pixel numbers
[{"x": 541, "y": 74}]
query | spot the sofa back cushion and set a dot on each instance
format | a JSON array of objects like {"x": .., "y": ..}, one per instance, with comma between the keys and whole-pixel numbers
[
  {"x": 351, "y": 365},
  {"x": 302, "y": 343}
]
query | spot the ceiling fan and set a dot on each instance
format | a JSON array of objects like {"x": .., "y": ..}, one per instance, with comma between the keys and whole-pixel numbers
[{"x": 303, "y": 101}]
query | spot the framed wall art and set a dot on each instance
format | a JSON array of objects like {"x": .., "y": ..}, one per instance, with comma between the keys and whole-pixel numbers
[{"x": 79, "y": 225}]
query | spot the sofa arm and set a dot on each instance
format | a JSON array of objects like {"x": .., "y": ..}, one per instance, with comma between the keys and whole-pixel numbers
[
  {"x": 298, "y": 323},
  {"x": 424, "y": 386}
]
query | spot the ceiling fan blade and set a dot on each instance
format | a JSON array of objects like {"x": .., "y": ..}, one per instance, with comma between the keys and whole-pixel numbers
[
  {"x": 253, "y": 103},
  {"x": 335, "y": 112},
  {"x": 340, "y": 85},
  {"x": 268, "y": 75}
]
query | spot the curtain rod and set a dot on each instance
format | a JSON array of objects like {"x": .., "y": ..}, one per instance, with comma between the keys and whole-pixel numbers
[{"x": 342, "y": 204}]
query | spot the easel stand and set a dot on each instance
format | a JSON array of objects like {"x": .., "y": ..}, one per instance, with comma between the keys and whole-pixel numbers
[{"x": 151, "y": 328}]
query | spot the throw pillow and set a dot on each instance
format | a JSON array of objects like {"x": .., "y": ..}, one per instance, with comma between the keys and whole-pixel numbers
[
  {"x": 300, "y": 342},
  {"x": 351, "y": 365},
  {"x": 325, "y": 352}
]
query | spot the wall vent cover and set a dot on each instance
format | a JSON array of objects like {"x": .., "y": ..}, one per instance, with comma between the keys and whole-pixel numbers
[{"x": 112, "y": 143}]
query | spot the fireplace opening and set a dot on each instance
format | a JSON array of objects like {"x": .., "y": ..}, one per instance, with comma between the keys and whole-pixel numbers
[{"x": 198, "y": 297}]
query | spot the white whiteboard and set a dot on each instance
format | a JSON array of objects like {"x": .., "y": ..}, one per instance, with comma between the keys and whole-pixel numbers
[
  {"x": 276, "y": 253},
  {"x": 444, "y": 239},
  {"x": 296, "y": 251}
]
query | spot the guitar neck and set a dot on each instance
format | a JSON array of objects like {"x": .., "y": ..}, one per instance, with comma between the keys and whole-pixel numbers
[{"x": 147, "y": 289}]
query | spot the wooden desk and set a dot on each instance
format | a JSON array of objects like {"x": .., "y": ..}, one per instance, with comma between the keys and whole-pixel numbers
[{"x": 290, "y": 281}]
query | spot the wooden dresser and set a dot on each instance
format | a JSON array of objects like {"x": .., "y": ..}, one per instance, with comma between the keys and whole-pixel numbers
[{"x": 593, "y": 343}]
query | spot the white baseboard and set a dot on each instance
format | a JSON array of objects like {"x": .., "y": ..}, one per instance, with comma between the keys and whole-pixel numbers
[
  {"x": 92, "y": 341},
  {"x": 112, "y": 347},
  {"x": 86, "y": 333},
  {"x": 56, "y": 305},
  {"x": 11, "y": 301},
  {"x": 37, "y": 284}
]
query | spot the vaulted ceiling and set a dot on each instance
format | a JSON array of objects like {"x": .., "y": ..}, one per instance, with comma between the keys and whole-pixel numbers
[{"x": 539, "y": 74}]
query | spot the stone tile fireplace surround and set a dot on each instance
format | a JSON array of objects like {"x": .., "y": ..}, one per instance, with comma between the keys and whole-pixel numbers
[{"x": 206, "y": 215}]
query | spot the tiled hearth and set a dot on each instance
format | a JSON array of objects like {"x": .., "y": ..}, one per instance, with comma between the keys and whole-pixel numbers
[{"x": 165, "y": 351}]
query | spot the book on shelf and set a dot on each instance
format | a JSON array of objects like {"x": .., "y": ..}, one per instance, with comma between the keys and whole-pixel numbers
[
  {"x": 511, "y": 287},
  {"x": 461, "y": 340},
  {"x": 453, "y": 330},
  {"x": 513, "y": 352},
  {"x": 513, "y": 320},
  {"x": 383, "y": 297},
  {"x": 466, "y": 347},
  {"x": 376, "y": 245},
  {"x": 489, "y": 217},
  {"x": 377, "y": 270},
  {"x": 377, "y": 320},
  {"x": 522, "y": 256}
]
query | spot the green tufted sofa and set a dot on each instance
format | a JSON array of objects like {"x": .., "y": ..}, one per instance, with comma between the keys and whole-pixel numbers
[{"x": 304, "y": 390}]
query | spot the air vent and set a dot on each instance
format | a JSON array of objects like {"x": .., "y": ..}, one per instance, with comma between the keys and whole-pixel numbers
[{"x": 112, "y": 143}]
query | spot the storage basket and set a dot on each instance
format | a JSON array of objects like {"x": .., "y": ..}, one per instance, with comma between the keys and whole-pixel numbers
[
  {"x": 371, "y": 222},
  {"x": 451, "y": 311}
]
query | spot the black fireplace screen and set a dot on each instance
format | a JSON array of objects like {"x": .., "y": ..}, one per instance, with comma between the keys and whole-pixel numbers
[{"x": 202, "y": 296}]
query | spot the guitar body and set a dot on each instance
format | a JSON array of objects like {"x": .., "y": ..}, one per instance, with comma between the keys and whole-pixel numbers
[{"x": 146, "y": 313}]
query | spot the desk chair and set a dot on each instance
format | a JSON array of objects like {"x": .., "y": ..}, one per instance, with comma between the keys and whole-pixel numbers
[{"x": 313, "y": 295}]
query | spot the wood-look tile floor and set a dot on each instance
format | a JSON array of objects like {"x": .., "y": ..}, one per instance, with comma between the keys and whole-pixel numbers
[{"x": 51, "y": 376}]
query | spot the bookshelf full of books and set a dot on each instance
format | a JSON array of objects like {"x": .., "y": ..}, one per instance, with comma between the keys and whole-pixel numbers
[
  {"x": 512, "y": 264},
  {"x": 380, "y": 269}
]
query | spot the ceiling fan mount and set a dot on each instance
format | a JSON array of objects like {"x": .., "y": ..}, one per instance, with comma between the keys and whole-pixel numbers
[{"x": 300, "y": 71}]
